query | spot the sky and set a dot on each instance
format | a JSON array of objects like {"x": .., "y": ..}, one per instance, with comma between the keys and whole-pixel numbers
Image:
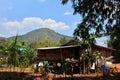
[{"x": 22, "y": 16}]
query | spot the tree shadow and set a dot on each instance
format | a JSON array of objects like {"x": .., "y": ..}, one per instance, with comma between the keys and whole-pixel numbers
[
  {"x": 28, "y": 76},
  {"x": 17, "y": 76},
  {"x": 115, "y": 76}
]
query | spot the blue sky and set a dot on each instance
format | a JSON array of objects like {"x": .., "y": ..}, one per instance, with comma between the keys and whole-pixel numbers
[{"x": 22, "y": 16}]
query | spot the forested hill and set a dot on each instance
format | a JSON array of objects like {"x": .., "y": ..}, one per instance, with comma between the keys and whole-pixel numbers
[
  {"x": 3, "y": 41},
  {"x": 40, "y": 35}
]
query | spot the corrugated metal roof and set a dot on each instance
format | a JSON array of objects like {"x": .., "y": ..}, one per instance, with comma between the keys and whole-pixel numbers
[{"x": 57, "y": 47}]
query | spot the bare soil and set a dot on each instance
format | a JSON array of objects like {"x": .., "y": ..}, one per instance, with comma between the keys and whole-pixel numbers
[{"x": 16, "y": 74}]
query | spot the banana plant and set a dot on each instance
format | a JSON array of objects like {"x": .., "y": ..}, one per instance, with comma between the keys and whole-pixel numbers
[
  {"x": 88, "y": 39},
  {"x": 19, "y": 55}
]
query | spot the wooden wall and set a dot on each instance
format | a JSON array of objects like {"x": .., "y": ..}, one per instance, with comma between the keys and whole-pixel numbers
[
  {"x": 68, "y": 50},
  {"x": 106, "y": 52},
  {"x": 58, "y": 54}
]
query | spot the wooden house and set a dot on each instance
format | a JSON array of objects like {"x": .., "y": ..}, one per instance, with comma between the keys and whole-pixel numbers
[
  {"x": 105, "y": 51},
  {"x": 58, "y": 54},
  {"x": 68, "y": 50}
]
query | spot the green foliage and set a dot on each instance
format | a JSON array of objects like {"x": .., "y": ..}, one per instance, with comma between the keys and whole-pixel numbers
[
  {"x": 82, "y": 33},
  {"x": 100, "y": 16},
  {"x": 3, "y": 43},
  {"x": 45, "y": 43},
  {"x": 11, "y": 44},
  {"x": 3, "y": 40},
  {"x": 64, "y": 1},
  {"x": 27, "y": 56},
  {"x": 114, "y": 39},
  {"x": 48, "y": 42},
  {"x": 95, "y": 55},
  {"x": 66, "y": 67},
  {"x": 63, "y": 40},
  {"x": 88, "y": 40},
  {"x": 114, "y": 42},
  {"x": 19, "y": 55}
]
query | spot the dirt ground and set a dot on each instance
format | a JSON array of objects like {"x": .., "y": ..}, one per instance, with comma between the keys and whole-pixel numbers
[{"x": 29, "y": 75}]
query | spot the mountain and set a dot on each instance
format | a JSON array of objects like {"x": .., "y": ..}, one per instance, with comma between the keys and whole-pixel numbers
[
  {"x": 3, "y": 41},
  {"x": 40, "y": 35}
]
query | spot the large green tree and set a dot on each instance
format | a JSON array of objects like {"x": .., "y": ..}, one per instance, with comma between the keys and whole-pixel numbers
[
  {"x": 100, "y": 16},
  {"x": 114, "y": 40}
]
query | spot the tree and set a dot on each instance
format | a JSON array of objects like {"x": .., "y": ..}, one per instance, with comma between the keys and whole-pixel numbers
[
  {"x": 27, "y": 56},
  {"x": 63, "y": 40},
  {"x": 13, "y": 55},
  {"x": 100, "y": 16},
  {"x": 114, "y": 42},
  {"x": 47, "y": 42},
  {"x": 3, "y": 41},
  {"x": 19, "y": 55},
  {"x": 114, "y": 39}
]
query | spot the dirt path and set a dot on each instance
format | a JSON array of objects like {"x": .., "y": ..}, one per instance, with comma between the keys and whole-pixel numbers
[{"x": 29, "y": 75}]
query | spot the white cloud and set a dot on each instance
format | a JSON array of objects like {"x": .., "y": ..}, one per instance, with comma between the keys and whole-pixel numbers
[
  {"x": 35, "y": 22},
  {"x": 14, "y": 32},
  {"x": 67, "y": 13},
  {"x": 13, "y": 24},
  {"x": 50, "y": 23},
  {"x": 1, "y": 35}
]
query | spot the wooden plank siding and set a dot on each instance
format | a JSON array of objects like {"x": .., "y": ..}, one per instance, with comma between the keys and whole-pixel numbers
[
  {"x": 105, "y": 51},
  {"x": 58, "y": 54},
  {"x": 68, "y": 50}
]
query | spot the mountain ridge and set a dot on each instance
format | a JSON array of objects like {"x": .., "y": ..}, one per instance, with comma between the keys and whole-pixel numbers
[{"x": 40, "y": 35}]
